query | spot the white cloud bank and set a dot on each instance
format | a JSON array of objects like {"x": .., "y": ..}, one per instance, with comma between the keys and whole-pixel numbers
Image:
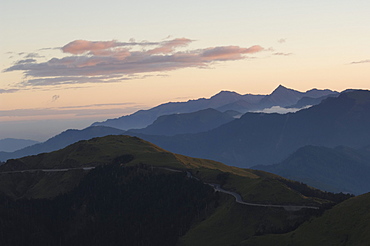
[{"x": 280, "y": 110}]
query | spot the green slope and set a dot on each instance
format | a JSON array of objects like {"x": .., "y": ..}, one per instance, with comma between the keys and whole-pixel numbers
[
  {"x": 123, "y": 162},
  {"x": 252, "y": 185},
  {"x": 345, "y": 224}
]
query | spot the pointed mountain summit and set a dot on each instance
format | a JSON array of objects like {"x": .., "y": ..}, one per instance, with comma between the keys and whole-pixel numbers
[
  {"x": 282, "y": 97},
  {"x": 285, "y": 97}
]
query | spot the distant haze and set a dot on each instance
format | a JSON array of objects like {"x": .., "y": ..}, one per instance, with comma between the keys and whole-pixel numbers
[
  {"x": 39, "y": 130},
  {"x": 77, "y": 61}
]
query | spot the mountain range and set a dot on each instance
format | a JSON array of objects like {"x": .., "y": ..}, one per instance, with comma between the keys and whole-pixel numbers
[
  {"x": 223, "y": 101},
  {"x": 119, "y": 189},
  {"x": 133, "y": 192},
  {"x": 244, "y": 142},
  {"x": 178, "y": 118},
  {"x": 261, "y": 139},
  {"x": 339, "y": 169}
]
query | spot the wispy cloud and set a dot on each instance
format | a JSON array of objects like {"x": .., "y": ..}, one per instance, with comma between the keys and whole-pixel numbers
[
  {"x": 83, "y": 110},
  {"x": 83, "y": 46},
  {"x": 8, "y": 90},
  {"x": 282, "y": 54},
  {"x": 112, "y": 61},
  {"x": 360, "y": 62},
  {"x": 25, "y": 61},
  {"x": 170, "y": 46}
]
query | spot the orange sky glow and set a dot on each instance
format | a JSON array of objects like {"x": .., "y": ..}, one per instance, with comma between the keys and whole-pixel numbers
[{"x": 88, "y": 63}]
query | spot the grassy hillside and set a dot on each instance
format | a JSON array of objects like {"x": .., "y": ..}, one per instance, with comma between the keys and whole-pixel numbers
[
  {"x": 232, "y": 223},
  {"x": 130, "y": 151},
  {"x": 140, "y": 193},
  {"x": 345, "y": 224}
]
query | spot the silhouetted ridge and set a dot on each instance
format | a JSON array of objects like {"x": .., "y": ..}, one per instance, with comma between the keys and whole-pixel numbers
[{"x": 244, "y": 142}]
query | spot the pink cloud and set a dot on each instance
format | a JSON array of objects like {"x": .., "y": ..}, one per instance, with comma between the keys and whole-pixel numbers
[
  {"x": 120, "y": 53},
  {"x": 104, "y": 59},
  {"x": 229, "y": 52},
  {"x": 169, "y": 46},
  {"x": 82, "y": 46}
]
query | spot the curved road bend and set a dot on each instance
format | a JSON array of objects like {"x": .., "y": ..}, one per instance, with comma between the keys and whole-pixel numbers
[
  {"x": 239, "y": 199},
  {"x": 216, "y": 187}
]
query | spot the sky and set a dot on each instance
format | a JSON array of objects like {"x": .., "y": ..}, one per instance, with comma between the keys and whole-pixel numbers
[{"x": 66, "y": 64}]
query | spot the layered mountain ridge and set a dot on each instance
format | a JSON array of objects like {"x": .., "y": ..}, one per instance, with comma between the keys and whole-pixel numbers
[
  {"x": 244, "y": 142},
  {"x": 227, "y": 102},
  {"x": 224, "y": 100}
]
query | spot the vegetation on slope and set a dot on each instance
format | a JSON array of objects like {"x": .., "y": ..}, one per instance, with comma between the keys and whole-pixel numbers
[
  {"x": 345, "y": 224},
  {"x": 131, "y": 151},
  {"x": 113, "y": 205},
  {"x": 140, "y": 193}
]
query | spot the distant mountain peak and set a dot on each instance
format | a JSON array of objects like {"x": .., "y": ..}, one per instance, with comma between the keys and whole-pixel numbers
[
  {"x": 226, "y": 94},
  {"x": 282, "y": 88}
]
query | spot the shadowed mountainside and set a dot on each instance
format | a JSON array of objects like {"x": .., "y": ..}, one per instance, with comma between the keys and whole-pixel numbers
[
  {"x": 200, "y": 121},
  {"x": 139, "y": 194},
  {"x": 260, "y": 139},
  {"x": 340, "y": 169},
  {"x": 134, "y": 151},
  {"x": 12, "y": 144},
  {"x": 143, "y": 118}
]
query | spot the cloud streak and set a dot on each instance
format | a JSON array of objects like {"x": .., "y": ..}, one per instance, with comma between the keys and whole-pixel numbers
[
  {"x": 112, "y": 61},
  {"x": 3, "y": 91},
  {"x": 84, "y": 110},
  {"x": 282, "y": 54},
  {"x": 360, "y": 62}
]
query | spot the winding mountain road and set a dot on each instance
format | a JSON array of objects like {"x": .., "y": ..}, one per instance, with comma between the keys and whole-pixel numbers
[
  {"x": 239, "y": 199},
  {"x": 216, "y": 187},
  {"x": 49, "y": 170}
]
